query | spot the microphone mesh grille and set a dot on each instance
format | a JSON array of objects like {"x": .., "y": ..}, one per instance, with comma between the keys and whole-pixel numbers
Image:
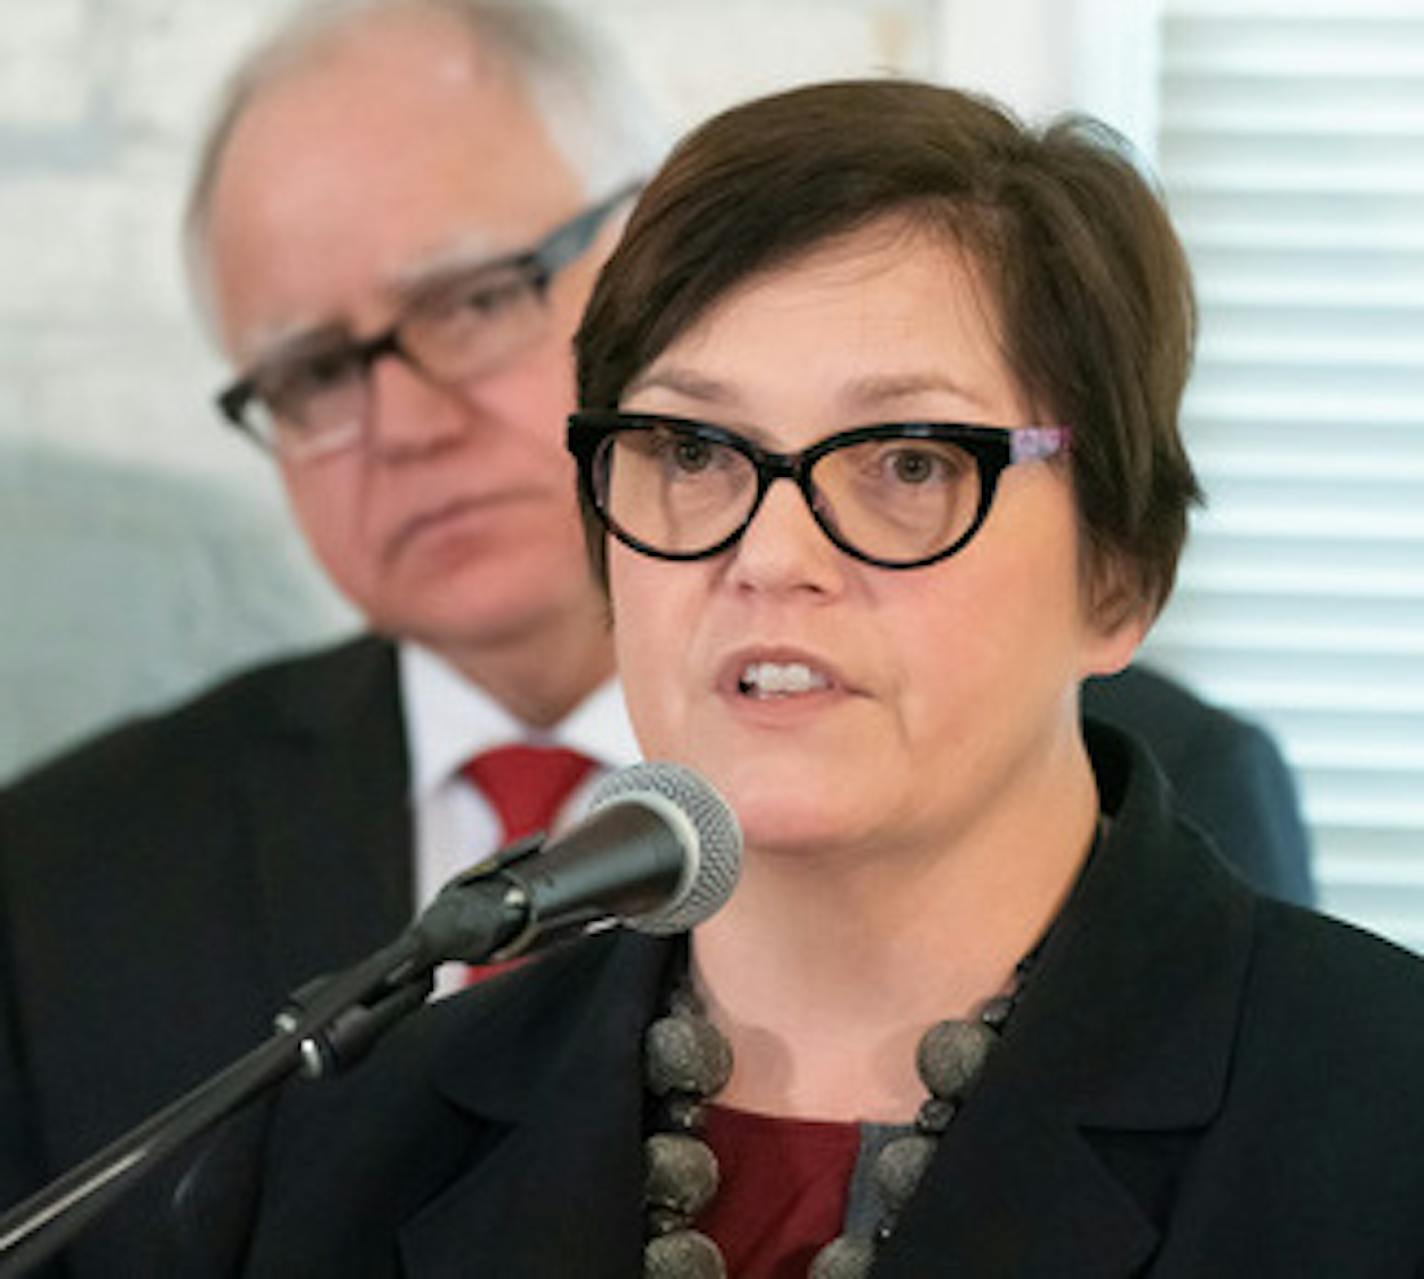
[{"x": 717, "y": 857}]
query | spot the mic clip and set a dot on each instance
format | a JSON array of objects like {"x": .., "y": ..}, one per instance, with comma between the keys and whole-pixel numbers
[
  {"x": 339, "y": 1043},
  {"x": 478, "y": 926}
]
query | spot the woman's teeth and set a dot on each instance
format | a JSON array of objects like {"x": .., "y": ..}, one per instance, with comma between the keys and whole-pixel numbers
[{"x": 780, "y": 679}]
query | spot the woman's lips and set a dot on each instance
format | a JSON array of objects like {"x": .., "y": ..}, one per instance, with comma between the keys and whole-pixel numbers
[
  {"x": 781, "y": 679},
  {"x": 779, "y": 675}
]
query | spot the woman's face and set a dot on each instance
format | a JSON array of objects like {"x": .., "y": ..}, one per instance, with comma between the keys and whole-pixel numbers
[{"x": 835, "y": 703}]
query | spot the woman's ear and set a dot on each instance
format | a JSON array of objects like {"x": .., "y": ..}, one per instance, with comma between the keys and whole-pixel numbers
[{"x": 1116, "y": 616}]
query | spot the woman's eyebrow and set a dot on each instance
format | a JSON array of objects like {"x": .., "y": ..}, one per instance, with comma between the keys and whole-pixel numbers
[
  {"x": 686, "y": 382},
  {"x": 876, "y": 391}
]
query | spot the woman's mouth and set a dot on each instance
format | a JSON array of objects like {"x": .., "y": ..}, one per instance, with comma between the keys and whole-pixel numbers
[{"x": 780, "y": 679}]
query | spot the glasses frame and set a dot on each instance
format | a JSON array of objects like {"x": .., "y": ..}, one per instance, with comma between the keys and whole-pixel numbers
[
  {"x": 993, "y": 448},
  {"x": 538, "y": 265}
]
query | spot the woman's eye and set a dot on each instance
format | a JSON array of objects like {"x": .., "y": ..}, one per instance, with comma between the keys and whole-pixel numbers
[
  {"x": 691, "y": 455},
  {"x": 912, "y": 468},
  {"x": 917, "y": 466}
]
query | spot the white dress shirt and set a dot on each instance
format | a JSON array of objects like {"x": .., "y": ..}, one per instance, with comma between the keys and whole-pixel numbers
[{"x": 449, "y": 720}]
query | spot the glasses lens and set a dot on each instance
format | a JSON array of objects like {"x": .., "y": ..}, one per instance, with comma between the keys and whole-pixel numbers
[
  {"x": 899, "y": 499},
  {"x": 312, "y": 403},
  {"x": 475, "y": 325},
  {"x": 672, "y": 489}
]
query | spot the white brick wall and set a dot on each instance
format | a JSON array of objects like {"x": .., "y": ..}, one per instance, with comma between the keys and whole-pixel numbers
[
  {"x": 697, "y": 56},
  {"x": 100, "y": 105},
  {"x": 46, "y": 70}
]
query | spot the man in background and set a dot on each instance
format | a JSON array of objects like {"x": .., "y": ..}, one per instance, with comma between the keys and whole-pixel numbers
[{"x": 394, "y": 226}]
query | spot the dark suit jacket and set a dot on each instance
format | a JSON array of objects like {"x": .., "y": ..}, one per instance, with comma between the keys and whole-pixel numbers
[
  {"x": 1228, "y": 773},
  {"x": 163, "y": 889},
  {"x": 1197, "y": 1082}
]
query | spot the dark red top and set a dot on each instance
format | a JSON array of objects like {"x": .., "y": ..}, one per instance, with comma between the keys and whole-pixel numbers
[{"x": 784, "y": 1184}]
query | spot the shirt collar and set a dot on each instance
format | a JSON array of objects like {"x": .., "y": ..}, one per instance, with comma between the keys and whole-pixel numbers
[{"x": 449, "y": 719}]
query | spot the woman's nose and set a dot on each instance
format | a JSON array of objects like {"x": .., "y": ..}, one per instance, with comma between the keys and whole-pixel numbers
[{"x": 784, "y": 549}]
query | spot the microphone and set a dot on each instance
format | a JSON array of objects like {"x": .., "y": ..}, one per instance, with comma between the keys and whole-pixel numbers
[{"x": 659, "y": 852}]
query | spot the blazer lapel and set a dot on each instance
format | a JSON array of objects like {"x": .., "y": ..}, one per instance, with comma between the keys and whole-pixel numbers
[
  {"x": 329, "y": 816},
  {"x": 1018, "y": 1192},
  {"x": 1118, "y": 1054},
  {"x": 561, "y": 1191}
]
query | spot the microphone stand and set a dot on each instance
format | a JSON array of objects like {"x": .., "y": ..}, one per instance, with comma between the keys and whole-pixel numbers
[{"x": 325, "y": 1027}]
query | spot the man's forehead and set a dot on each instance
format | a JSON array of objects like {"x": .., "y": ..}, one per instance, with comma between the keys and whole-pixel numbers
[
  {"x": 334, "y": 214},
  {"x": 411, "y": 42}
]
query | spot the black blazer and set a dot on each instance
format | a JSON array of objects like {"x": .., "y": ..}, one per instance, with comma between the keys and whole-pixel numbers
[
  {"x": 163, "y": 888},
  {"x": 1197, "y": 1081}
]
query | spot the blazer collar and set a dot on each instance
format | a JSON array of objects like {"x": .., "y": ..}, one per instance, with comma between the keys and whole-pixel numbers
[
  {"x": 325, "y": 693},
  {"x": 1141, "y": 979},
  {"x": 323, "y": 796},
  {"x": 556, "y": 1064},
  {"x": 1122, "y": 1041},
  {"x": 1124, "y": 1034}
]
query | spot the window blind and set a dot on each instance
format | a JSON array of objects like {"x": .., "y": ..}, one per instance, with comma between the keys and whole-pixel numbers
[{"x": 1291, "y": 146}]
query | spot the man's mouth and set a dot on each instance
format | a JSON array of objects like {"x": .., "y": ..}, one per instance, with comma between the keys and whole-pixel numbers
[{"x": 431, "y": 521}]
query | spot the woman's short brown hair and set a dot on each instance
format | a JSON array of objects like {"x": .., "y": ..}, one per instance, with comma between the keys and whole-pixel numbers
[{"x": 1092, "y": 287}]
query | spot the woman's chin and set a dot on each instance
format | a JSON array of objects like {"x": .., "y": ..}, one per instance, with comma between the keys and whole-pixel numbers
[
  {"x": 787, "y": 825},
  {"x": 785, "y": 804}
]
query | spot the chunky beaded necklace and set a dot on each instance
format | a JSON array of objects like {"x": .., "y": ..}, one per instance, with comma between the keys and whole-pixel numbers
[{"x": 687, "y": 1062}]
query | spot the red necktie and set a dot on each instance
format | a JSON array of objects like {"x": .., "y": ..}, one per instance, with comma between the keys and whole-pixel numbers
[{"x": 526, "y": 786}]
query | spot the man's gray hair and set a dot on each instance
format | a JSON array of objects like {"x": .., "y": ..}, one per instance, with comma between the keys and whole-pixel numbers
[{"x": 594, "y": 112}]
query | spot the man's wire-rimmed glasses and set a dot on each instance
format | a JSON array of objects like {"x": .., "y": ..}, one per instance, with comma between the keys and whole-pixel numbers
[
  {"x": 315, "y": 398},
  {"x": 897, "y": 495}
]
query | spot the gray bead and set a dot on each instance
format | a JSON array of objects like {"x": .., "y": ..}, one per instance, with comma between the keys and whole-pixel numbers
[
  {"x": 845, "y": 1257},
  {"x": 900, "y": 1165},
  {"x": 951, "y": 1054},
  {"x": 995, "y": 1012},
  {"x": 683, "y": 1003},
  {"x": 687, "y": 1054},
  {"x": 682, "y": 1172},
  {"x": 685, "y": 1114},
  {"x": 663, "y": 1221},
  {"x": 684, "y": 1254},
  {"x": 935, "y": 1116}
]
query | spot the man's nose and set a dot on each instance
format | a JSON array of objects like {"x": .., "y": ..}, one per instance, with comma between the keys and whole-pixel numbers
[{"x": 412, "y": 414}]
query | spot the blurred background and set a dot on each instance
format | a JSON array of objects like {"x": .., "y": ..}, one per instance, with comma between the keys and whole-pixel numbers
[{"x": 144, "y": 549}]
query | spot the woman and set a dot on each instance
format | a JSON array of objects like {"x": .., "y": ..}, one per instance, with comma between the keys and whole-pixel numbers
[{"x": 980, "y": 1005}]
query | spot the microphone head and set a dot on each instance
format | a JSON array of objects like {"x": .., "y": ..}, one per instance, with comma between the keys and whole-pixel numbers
[{"x": 711, "y": 835}]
